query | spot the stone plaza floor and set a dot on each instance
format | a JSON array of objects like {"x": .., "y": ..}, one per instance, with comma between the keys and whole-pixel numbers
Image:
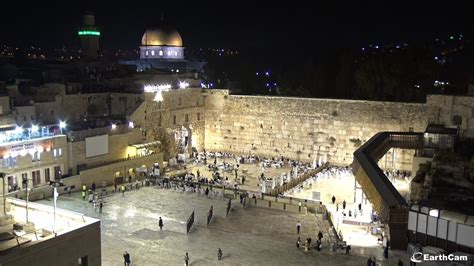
[{"x": 252, "y": 236}]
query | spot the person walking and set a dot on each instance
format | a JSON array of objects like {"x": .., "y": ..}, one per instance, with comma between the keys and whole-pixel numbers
[
  {"x": 374, "y": 262},
  {"x": 320, "y": 235},
  {"x": 122, "y": 188},
  {"x": 186, "y": 259},
  {"x": 298, "y": 242},
  {"x": 385, "y": 250},
  {"x": 160, "y": 224},
  {"x": 100, "y": 206},
  {"x": 333, "y": 199},
  {"x": 344, "y": 205},
  {"x": 298, "y": 227},
  {"x": 93, "y": 186},
  {"x": 219, "y": 254},
  {"x": 126, "y": 258},
  {"x": 69, "y": 191}
]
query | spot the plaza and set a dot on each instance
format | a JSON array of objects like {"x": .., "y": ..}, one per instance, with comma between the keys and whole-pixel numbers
[{"x": 251, "y": 236}]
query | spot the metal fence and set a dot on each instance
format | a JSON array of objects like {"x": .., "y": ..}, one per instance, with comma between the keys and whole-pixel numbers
[{"x": 190, "y": 223}]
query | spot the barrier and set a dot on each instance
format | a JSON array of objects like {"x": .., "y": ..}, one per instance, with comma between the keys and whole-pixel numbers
[{"x": 190, "y": 223}]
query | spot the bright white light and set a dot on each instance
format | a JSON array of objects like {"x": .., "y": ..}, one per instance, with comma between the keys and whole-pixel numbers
[
  {"x": 130, "y": 124},
  {"x": 114, "y": 126},
  {"x": 156, "y": 87},
  {"x": 62, "y": 124},
  {"x": 434, "y": 213},
  {"x": 158, "y": 97},
  {"x": 183, "y": 84},
  {"x": 18, "y": 130},
  {"x": 34, "y": 128}
]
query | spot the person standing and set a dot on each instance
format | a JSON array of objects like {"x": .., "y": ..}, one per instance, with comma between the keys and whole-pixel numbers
[
  {"x": 333, "y": 199},
  {"x": 219, "y": 254},
  {"x": 243, "y": 180},
  {"x": 369, "y": 262},
  {"x": 126, "y": 259},
  {"x": 298, "y": 242},
  {"x": 160, "y": 224},
  {"x": 320, "y": 235},
  {"x": 186, "y": 259},
  {"x": 298, "y": 227},
  {"x": 100, "y": 206},
  {"x": 69, "y": 191},
  {"x": 344, "y": 205},
  {"x": 93, "y": 186},
  {"x": 122, "y": 188}
]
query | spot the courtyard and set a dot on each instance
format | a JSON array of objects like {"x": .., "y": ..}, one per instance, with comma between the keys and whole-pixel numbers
[{"x": 251, "y": 236}]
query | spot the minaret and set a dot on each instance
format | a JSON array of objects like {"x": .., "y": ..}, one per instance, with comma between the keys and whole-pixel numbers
[{"x": 89, "y": 35}]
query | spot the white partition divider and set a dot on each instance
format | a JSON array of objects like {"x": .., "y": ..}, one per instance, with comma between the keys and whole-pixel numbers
[
  {"x": 459, "y": 233},
  {"x": 432, "y": 224},
  {"x": 442, "y": 228}
]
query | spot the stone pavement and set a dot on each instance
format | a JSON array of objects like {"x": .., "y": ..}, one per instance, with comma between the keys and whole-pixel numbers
[{"x": 254, "y": 236}]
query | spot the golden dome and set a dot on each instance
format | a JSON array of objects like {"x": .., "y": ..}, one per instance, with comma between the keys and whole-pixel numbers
[{"x": 162, "y": 36}]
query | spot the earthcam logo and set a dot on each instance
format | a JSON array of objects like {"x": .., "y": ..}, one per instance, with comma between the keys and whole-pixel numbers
[{"x": 419, "y": 257}]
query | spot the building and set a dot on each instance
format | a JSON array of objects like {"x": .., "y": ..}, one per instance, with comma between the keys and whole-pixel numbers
[
  {"x": 162, "y": 48},
  {"x": 89, "y": 35},
  {"x": 50, "y": 237}
]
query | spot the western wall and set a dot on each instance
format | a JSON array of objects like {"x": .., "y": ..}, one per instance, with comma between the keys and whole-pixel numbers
[{"x": 307, "y": 129}]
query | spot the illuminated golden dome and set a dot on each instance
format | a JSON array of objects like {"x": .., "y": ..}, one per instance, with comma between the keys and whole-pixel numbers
[{"x": 162, "y": 36}]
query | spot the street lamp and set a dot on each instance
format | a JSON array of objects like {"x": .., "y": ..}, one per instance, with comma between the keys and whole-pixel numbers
[
  {"x": 2, "y": 176},
  {"x": 55, "y": 185},
  {"x": 62, "y": 125}
]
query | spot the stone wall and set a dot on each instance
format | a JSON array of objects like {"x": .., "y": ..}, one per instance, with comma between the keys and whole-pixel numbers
[
  {"x": 118, "y": 146},
  {"x": 306, "y": 129},
  {"x": 179, "y": 109},
  {"x": 451, "y": 106}
]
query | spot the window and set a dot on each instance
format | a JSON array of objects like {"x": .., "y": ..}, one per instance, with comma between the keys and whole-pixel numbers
[
  {"x": 57, "y": 152},
  {"x": 159, "y": 121},
  {"x": 169, "y": 52},
  {"x": 57, "y": 172},
  {"x": 186, "y": 118},
  {"x": 83, "y": 261},
  {"x": 175, "y": 53},
  {"x": 153, "y": 53},
  {"x": 32, "y": 117},
  {"x": 9, "y": 161},
  {"x": 24, "y": 176},
  {"x": 47, "y": 175},
  {"x": 160, "y": 53},
  {"x": 146, "y": 52},
  {"x": 36, "y": 156},
  {"x": 457, "y": 120},
  {"x": 52, "y": 112},
  {"x": 198, "y": 116},
  {"x": 179, "y": 101},
  {"x": 24, "y": 118},
  {"x": 36, "y": 178},
  {"x": 174, "y": 120}
]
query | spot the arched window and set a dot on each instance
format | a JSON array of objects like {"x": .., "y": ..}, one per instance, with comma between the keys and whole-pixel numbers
[
  {"x": 160, "y": 53},
  {"x": 146, "y": 52},
  {"x": 153, "y": 52}
]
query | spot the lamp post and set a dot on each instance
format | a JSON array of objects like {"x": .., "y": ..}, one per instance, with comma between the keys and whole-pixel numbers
[
  {"x": 25, "y": 182},
  {"x": 62, "y": 125},
  {"x": 2, "y": 176},
  {"x": 55, "y": 184}
]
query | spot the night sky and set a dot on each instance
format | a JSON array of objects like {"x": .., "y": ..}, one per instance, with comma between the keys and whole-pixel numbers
[{"x": 232, "y": 24}]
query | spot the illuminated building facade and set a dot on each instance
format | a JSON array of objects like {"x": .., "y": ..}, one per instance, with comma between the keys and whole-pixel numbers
[
  {"x": 37, "y": 154},
  {"x": 162, "y": 48}
]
